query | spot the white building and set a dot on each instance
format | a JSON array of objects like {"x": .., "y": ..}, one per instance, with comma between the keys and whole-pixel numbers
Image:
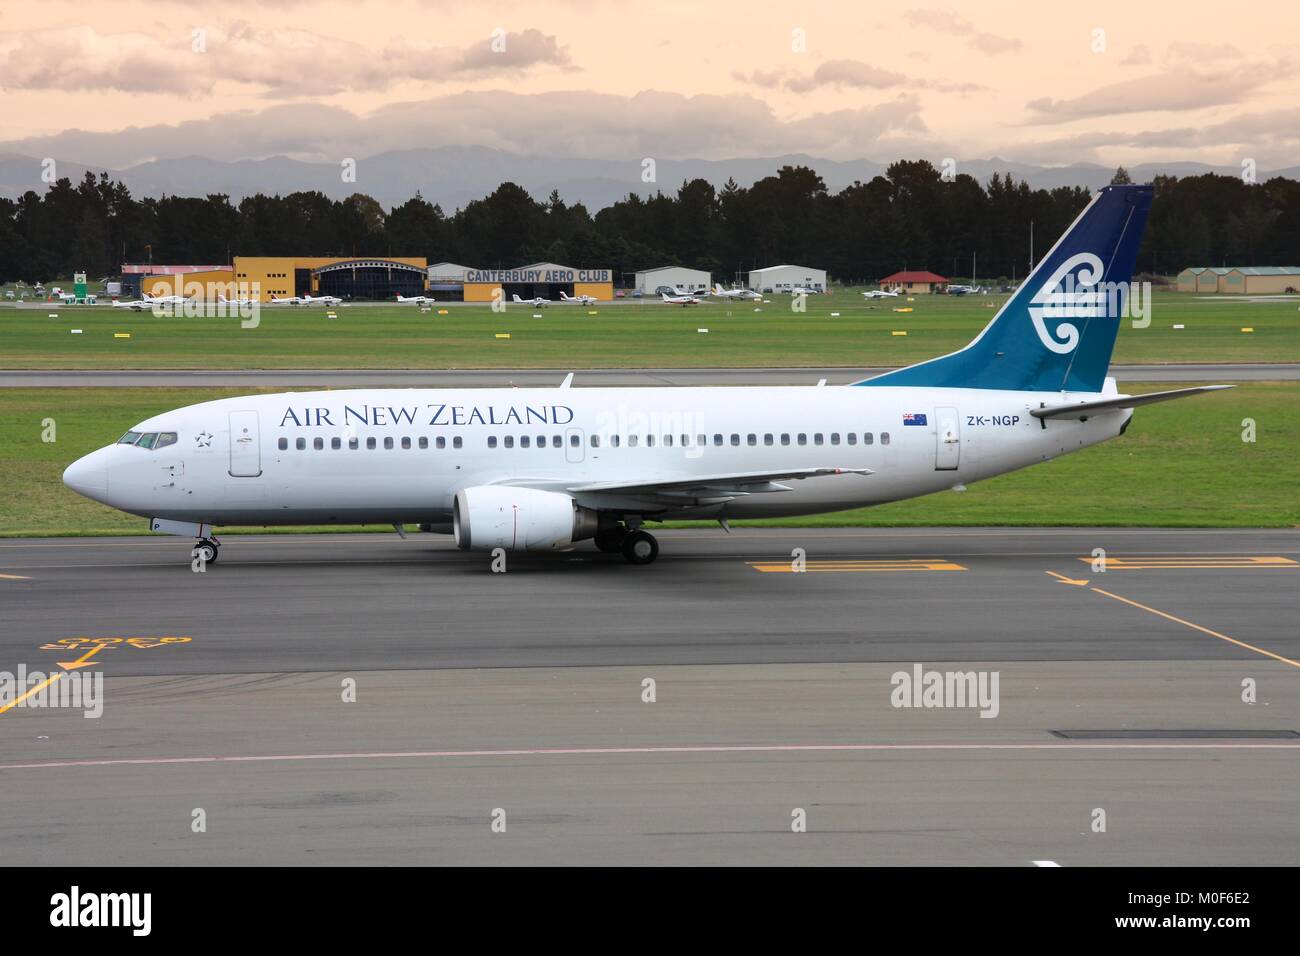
[
  {"x": 786, "y": 278},
  {"x": 678, "y": 277},
  {"x": 447, "y": 272}
]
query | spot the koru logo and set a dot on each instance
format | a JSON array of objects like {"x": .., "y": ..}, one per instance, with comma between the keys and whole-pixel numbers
[
  {"x": 203, "y": 440},
  {"x": 1067, "y": 295}
]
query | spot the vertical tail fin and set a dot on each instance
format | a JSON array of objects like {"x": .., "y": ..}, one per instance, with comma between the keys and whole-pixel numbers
[{"x": 1057, "y": 331}]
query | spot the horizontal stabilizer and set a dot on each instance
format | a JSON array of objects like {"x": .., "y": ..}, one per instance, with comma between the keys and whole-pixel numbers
[{"x": 1083, "y": 410}]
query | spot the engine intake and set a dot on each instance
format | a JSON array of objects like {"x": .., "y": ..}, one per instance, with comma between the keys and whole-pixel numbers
[{"x": 518, "y": 519}]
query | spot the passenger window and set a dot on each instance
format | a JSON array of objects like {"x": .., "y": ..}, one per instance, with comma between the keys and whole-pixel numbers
[
  {"x": 785, "y": 438},
  {"x": 649, "y": 441},
  {"x": 165, "y": 439},
  {"x": 300, "y": 444},
  {"x": 441, "y": 442},
  {"x": 284, "y": 444},
  {"x": 354, "y": 443},
  {"x": 541, "y": 441},
  {"x": 492, "y": 441},
  {"x": 852, "y": 437},
  {"x": 835, "y": 438},
  {"x": 868, "y": 438},
  {"x": 767, "y": 438},
  {"x": 318, "y": 444},
  {"x": 388, "y": 442},
  {"x": 525, "y": 441},
  {"x": 884, "y": 438},
  {"x": 631, "y": 441},
  {"x": 556, "y": 442},
  {"x": 456, "y": 442},
  {"x": 668, "y": 441},
  {"x": 509, "y": 441},
  {"x": 817, "y": 438},
  {"x": 406, "y": 442},
  {"x": 701, "y": 441},
  {"x": 803, "y": 439},
  {"x": 735, "y": 439},
  {"x": 595, "y": 441},
  {"x": 717, "y": 439},
  {"x": 336, "y": 443},
  {"x": 370, "y": 444},
  {"x": 424, "y": 442},
  {"x": 573, "y": 441},
  {"x": 130, "y": 438},
  {"x": 613, "y": 441}
]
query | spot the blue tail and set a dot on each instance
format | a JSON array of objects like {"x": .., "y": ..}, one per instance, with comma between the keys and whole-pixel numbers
[{"x": 1057, "y": 331}]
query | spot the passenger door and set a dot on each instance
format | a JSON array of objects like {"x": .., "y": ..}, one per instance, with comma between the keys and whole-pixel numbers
[
  {"x": 245, "y": 445},
  {"x": 947, "y": 438}
]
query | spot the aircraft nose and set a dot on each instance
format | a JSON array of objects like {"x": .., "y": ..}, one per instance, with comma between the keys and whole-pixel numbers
[{"x": 88, "y": 476}]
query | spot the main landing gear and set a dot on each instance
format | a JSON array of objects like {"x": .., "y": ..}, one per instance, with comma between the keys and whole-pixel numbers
[
  {"x": 636, "y": 546},
  {"x": 206, "y": 550}
]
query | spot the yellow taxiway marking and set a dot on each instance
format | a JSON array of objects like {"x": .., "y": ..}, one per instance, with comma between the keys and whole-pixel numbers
[
  {"x": 858, "y": 565},
  {"x": 1077, "y": 582},
  {"x": 1194, "y": 562},
  {"x": 1197, "y": 627},
  {"x": 83, "y": 660},
  {"x": 41, "y": 686},
  {"x": 15, "y": 577}
]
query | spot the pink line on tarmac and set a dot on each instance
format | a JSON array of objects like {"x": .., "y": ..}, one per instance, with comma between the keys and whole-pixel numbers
[{"x": 616, "y": 751}]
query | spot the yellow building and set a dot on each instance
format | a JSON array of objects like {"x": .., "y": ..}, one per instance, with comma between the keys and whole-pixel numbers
[{"x": 261, "y": 277}]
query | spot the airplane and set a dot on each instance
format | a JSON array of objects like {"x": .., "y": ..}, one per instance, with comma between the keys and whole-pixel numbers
[
  {"x": 879, "y": 294},
  {"x": 537, "y": 302},
  {"x": 541, "y": 469},
  {"x": 577, "y": 299},
  {"x": 744, "y": 294},
  {"x": 321, "y": 300},
  {"x": 238, "y": 302},
  {"x": 800, "y": 290},
  {"x": 415, "y": 299},
  {"x": 291, "y": 300},
  {"x": 149, "y": 302},
  {"x": 683, "y": 299}
]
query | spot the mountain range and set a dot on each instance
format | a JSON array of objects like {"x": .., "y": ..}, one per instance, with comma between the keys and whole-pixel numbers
[{"x": 453, "y": 175}]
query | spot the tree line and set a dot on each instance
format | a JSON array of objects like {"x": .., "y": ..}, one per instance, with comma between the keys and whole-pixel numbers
[{"x": 909, "y": 218}]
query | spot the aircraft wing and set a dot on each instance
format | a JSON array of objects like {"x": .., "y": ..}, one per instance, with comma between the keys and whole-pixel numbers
[
  {"x": 736, "y": 483},
  {"x": 1083, "y": 410}
]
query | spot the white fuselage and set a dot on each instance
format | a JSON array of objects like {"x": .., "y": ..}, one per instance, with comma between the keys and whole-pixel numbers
[{"x": 401, "y": 455}]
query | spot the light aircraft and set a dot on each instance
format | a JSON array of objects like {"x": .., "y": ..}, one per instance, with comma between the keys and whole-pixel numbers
[
  {"x": 290, "y": 300},
  {"x": 800, "y": 290},
  {"x": 577, "y": 299},
  {"x": 682, "y": 298},
  {"x": 321, "y": 300},
  {"x": 536, "y": 302},
  {"x": 745, "y": 294},
  {"x": 539, "y": 469},
  {"x": 415, "y": 299},
  {"x": 879, "y": 294},
  {"x": 238, "y": 302}
]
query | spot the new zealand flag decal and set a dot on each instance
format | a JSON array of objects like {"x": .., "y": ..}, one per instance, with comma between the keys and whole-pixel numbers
[{"x": 914, "y": 418}]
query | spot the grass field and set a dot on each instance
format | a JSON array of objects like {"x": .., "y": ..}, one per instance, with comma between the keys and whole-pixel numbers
[
  {"x": 644, "y": 334},
  {"x": 1180, "y": 464}
]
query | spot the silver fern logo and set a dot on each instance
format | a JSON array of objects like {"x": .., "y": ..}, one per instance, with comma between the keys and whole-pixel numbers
[{"x": 1068, "y": 294}]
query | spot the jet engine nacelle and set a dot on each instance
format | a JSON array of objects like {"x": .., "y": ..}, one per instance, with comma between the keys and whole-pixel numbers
[{"x": 518, "y": 519}]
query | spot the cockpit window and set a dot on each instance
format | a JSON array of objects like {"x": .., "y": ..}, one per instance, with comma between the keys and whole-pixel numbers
[
  {"x": 165, "y": 439},
  {"x": 130, "y": 438},
  {"x": 147, "y": 441}
]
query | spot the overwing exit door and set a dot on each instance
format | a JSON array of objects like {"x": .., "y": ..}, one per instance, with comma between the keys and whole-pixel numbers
[
  {"x": 947, "y": 439},
  {"x": 245, "y": 445}
]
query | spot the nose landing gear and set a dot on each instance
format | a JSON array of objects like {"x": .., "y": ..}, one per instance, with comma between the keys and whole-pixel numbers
[{"x": 206, "y": 550}]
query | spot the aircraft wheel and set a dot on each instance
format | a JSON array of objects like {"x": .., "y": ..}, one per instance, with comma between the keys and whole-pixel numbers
[
  {"x": 206, "y": 551},
  {"x": 640, "y": 547}
]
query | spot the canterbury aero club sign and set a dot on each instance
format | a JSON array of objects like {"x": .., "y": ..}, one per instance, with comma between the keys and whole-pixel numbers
[{"x": 556, "y": 276}]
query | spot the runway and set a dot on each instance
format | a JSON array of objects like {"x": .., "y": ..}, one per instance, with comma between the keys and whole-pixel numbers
[
  {"x": 505, "y": 378},
  {"x": 525, "y": 692}
]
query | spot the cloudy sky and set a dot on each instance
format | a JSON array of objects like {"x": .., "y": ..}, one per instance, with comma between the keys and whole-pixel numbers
[{"x": 118, "y": 82}]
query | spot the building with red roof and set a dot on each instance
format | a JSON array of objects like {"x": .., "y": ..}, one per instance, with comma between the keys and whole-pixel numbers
[{"x": 915, "y": 282}]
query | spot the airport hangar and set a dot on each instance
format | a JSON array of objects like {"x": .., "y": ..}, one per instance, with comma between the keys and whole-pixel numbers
[
  {"x": 373, "y": 278},
  {"x": 1241, "y": 280},
  {"x": 787, "y": 277},
  {"x": 648, "y": 281}
]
